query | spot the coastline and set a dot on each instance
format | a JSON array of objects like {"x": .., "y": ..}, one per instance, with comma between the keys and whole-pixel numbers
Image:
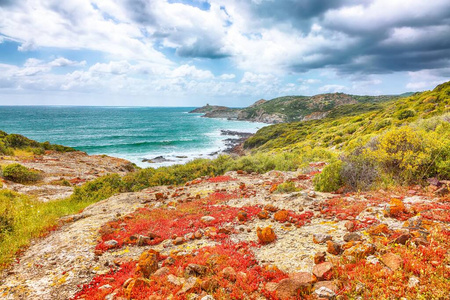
[{"x": 135, "y": 134}]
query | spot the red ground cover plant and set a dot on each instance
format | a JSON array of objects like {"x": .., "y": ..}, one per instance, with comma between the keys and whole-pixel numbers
[
  {"x": 222, "y": 178},
  {"x": 428, "y": 263},
  {"x": 163, "y": 223},
  {"x": 343, "y": 208},
  {"x": 246, "y": 283}
]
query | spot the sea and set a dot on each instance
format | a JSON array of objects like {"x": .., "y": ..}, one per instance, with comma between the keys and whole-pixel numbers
[{"x": 132, "y": 133}]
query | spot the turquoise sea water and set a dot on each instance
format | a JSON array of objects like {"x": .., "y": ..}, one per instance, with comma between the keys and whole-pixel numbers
[{"x": 133, "y": 133}]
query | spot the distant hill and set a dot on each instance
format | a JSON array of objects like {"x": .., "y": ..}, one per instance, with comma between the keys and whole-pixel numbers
[{"x": 290, "y": 108}]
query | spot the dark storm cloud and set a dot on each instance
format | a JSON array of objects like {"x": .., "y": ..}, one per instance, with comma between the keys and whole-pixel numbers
[
  {"x": 296, "y": 12},
  {"x": 375, "y": 39},
  {"x": 141, "y": 11},
  {"x": 203, "y": 49},
  {"x": 6, "y": 2}
]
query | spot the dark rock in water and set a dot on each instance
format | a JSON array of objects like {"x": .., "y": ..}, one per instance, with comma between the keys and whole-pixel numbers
[
  {"x": 213, "y": 153},
  {"x": 156, "y": 160},
  {"x": 181, "y": 156},
  {"x": 236, "y": 133}
]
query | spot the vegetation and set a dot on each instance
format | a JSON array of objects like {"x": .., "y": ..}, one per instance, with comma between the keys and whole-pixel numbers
[
  {"x": 20, "y": 174},
  {"x": 402, "y": 141},
  {"x": 11, "y": 142},
  {"x": 22, "y": 218},
  {"x": 294, "y": 108}
]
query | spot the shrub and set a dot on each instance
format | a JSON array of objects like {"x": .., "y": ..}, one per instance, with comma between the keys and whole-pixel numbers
[
  {"x": 359, "y": 172},
  {"x": 407, "y": 154},
  {"x": 99, "y": 189},
  {"x": 405, "y": 114},
  {"x": 20, "y": 174},
  {"x": 287, "y": 187},
  {"x": 330, "y": 179}
]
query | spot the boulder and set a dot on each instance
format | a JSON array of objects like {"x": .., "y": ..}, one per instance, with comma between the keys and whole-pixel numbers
[
  {"x": 323, "y": 271},
  {"x": 148, "y": 263},
  {"x": 392, "y": 261},
  {"x": 266, "y": 235}
]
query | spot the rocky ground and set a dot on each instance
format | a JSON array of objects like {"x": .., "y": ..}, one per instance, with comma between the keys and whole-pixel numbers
[
  {"x": 237, "y": 237},
  {"x": 61, "y": 171}
]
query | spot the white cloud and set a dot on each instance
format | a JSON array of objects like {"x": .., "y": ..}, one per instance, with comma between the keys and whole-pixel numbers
[{"x": 333, "y": 88}]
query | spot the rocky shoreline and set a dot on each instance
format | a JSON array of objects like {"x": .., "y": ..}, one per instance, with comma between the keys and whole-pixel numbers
[{"x": 233, "y": 145}]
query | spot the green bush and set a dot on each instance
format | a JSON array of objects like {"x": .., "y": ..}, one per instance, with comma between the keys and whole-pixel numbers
[
  {"x": 99, "y": 189},
  {"x": 20, "y": 174},
  {"x": 359, "y": 171},
  {"x": 330, "y": 179},
  {"x": 405, "y": 114},
  {"x": 287, "y": 187}
]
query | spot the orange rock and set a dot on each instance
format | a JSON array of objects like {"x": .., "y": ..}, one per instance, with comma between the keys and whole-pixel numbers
[
  {"x": 334, "y": 248},
  {"x": 148, "y": 263},
  {"x": 273, "y": 188},
  {"x": 392, "y": 261},
  {"x": 281, "y": 216},
  {"x": 323, "y": 271},
  {"x": 229, "y": 273},
  {"x": 271, "y": 208},
  {"x": 263, "y": 215},
  {"x": 288, "y": 288},
  {"x": 378, "y": 229},
  {"x": 395, "y": 207},
  {"x": 266, "y": 235},
  {"x": 319, "y": 257},
  {"x": 159, "y": 196},
  {"x": 134, "y": 285},
  {"x": 360, "y": 251},
  {"x": 242, "y": 216}
]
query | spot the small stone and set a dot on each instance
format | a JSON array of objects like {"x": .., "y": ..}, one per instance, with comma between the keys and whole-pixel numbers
[
  {"x": 190, "y": 284},
  {"x": 209, "y": 285},
  {"x": 143, "y": 240},
  {"x": 350, "y": 225},
  {"x": 281, "y": 216},
  {"x": 161, "y": 272},
  {"x": 178, "y": 241},
  {"x": 198, "y": 234},
  {"x": 111, "y": 243},
  {"x": 175, "y": 280},
  {"x": 319, "y": 257},
  {"x": 378, "y": 229},
  {"x": 334, "y": 248},
  {"x": 229, "y": 273},
  {"x": 321, "y": 238},
  {"x": 266, "y": 235},
  {"x": 289, "y": 287},
  {"x": 159, "y": 196},
  {"x": 352, "y": 237},
  {"x": 323, "y": 271},
  {"x": 208, "y": 297},
  {"x": 402, "y": 239},
  {"x": 360, "y": 250},
  {"x": 271, "y": 208},
  {"x": 263, "y": 215},
  {"x": 148, "y": 263},
  {"x": 242, "y": 216},
  {"x": 312, "y": 194},
  {"x": 413, "y": 281},
  {"x": 169, "y": 261},
  {"x": 325, "y": 289},
  {"x": 392, "y": 261},
  {"x": 195, "y": 270},
  {"x": 105, "y": 287},
  {"x": 207, "y": 219}
]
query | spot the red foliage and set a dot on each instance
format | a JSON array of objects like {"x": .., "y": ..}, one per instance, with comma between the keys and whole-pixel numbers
[
  {"x": 221, "y": 179},
  {"x": 238, "y": 256},
  {"x": 162, "y": 223}
]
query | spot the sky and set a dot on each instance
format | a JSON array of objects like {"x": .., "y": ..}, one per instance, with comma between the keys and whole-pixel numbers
[{"x": 227, "y": 52}]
